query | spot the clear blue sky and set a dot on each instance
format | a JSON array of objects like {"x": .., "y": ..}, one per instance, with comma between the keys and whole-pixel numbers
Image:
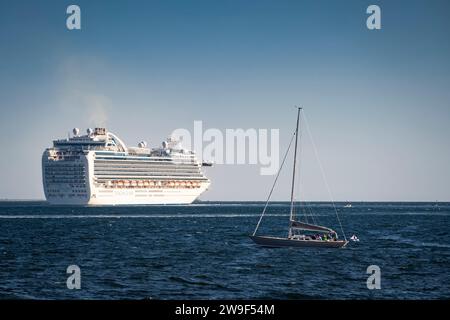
[{"x": 378, "y": 102}]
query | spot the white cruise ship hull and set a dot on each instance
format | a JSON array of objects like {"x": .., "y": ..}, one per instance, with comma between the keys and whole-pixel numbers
[{"x": 108, "y": 197}]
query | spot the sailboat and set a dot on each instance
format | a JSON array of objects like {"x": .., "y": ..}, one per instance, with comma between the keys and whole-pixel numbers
[{"x": 300, "y": 234}]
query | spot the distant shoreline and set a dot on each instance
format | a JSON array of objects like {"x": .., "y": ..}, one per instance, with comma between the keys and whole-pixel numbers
[{"x": 275, "y": 201}]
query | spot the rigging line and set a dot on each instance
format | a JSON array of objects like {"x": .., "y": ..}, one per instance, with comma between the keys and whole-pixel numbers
[
  {"x": 291, "y": 215},
  {"x": 315, "y": 217},
  {"x": 311, "y": 213},
  {"x": 305, "y": 212},
  {"x": 294, "y": 166},
  {"x": 303, "y": 206},
  {"x": 299, "y": 171},
  {"x": 323, "y": 174},
  {"x": 275, "y": 181}
]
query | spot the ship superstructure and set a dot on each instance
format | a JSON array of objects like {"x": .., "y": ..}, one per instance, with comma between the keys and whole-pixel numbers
[{"x": 99, "y": 169}]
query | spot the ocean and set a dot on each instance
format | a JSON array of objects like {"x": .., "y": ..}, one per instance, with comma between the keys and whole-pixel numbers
[{"x": 202, "y": 251}]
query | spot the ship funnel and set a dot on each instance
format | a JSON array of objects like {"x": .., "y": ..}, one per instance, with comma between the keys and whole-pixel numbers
[{"x": 76, "y": 131}]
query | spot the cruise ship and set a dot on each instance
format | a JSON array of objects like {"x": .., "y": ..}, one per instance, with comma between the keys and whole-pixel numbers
[{"x": 99, "y": 169}]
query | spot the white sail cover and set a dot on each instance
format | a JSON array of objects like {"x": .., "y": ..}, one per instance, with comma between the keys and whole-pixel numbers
[{"x": 309, "y": 227}]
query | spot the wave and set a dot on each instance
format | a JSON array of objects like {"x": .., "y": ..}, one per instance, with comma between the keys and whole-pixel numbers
[
  {"x": 136, "y": 216},
  {"x": 199, "y": 215},
  {"x": 198, "y": 282},
  {"x": 415, "y": 243}
]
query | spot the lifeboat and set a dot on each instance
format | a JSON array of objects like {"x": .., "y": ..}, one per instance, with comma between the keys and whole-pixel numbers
[
  {"x": 133, "y": 183},
  {"x": 146, "y": 183},
  {"x": 126, "y": 183},
  {"x": 120, "y": 183},
  {"x": 140, "y": 183}
]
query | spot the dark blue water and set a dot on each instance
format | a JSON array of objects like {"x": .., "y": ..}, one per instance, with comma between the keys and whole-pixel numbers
[{"x": 203, "y": 252}]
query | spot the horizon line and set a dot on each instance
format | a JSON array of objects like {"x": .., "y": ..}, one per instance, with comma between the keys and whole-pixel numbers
[{"x": 263, "y": 201}]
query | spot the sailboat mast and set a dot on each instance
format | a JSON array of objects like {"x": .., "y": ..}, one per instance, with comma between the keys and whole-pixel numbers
[{"x": 295, "y": 163}]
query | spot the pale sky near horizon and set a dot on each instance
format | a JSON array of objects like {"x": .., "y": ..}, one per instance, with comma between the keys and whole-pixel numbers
[{"x": 377, "y": 102}]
